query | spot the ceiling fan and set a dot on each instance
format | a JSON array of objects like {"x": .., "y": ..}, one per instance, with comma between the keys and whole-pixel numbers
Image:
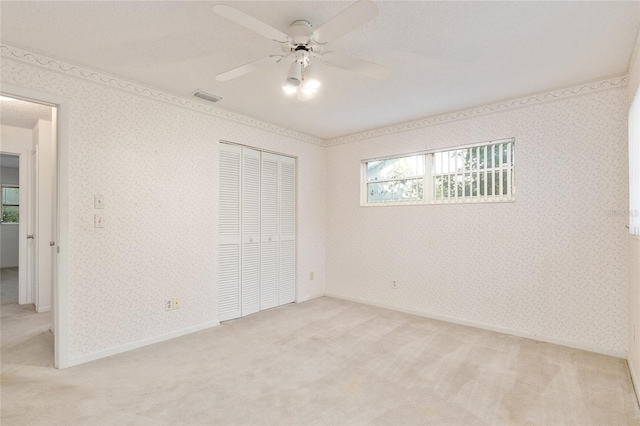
[{"x": 306, "y": 46}]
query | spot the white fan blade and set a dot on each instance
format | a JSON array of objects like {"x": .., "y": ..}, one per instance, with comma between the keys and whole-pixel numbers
[
  {"x": 360, "y": 66},
  {"x": 352, "y": 17},
  {"x": 251, "y": 23},
  {"x": 247, "y": 68}
]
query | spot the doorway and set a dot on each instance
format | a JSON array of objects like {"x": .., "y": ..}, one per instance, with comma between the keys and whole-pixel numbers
[{"x": 27, "y": 229}]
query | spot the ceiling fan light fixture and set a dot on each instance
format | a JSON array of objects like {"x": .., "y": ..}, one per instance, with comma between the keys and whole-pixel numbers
[
  {"x": 295, "y": 75},
  {"x": 289, "y": 89},
  {"x": 311, "y": 84},
  {"x": 310, "y": 79}
]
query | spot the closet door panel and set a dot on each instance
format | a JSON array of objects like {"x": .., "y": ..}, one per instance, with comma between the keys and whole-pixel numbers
[
  {"x": 229, "y": 304},
  {"x": 287, "y": 291},
  {"x": 287, "y": 218},
  {"x": 250, "y": 231},
  {"x": 269, "y": 231}
]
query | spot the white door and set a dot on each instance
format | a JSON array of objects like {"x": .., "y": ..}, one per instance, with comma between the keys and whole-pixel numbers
[
  {"x": 229, "y": 305},
  {"x": 250, "y": 231},
  {"x": 269, "y": 231},
  {"x": 32, "y": 206},
  {"x": 287, "y": 272}
]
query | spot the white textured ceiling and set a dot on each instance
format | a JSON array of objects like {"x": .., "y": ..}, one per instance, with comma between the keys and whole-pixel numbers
[
  {"x": 23, "y": 114},
  {"x": 444, "y": 56}
]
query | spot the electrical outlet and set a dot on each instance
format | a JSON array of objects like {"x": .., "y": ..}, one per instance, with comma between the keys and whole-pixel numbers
[
  {"x": 168, "y": 305},
  {"x": 98, "y": 202},
  {"x": 394, "y": 285},
  {"x": 176, "y": 303},
  {"x": 98, "y": 221},
  {"x": 311, "y": 276}
]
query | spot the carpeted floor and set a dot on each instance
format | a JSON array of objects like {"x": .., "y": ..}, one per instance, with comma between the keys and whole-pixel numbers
[
  {"x": 323, "y": 362},
  {"x": 8, "y": 286},
  {"x": 19, "y": 322}
]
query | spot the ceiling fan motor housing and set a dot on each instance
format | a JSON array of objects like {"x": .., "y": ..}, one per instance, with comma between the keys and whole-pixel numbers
[{"x": 300, "y": 32}]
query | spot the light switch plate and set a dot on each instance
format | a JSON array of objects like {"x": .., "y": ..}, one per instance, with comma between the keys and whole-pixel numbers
[
  {"x": 98, "y": 221},
  {"x": 98, "y": 201}
]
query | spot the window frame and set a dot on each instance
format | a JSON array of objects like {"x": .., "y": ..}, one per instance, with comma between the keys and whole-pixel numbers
[
  {"x": 3, "y": 204},
  {"x": 429, "y": 186}
]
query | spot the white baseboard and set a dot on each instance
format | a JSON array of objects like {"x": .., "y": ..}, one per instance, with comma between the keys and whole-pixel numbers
[
  {"x": 518, "y": 333},
  {"x": 43, "y": 309},
  {"x": 140, "y": 343}
]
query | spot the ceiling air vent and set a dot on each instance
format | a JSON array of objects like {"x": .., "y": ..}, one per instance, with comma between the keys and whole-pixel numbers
[{"x": 206, "y": 96}]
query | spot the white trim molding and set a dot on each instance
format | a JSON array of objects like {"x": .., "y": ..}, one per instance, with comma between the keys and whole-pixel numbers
[
  {"x": 489, "y": 327},
  {"x": 536, "y": 98},
  {"x": 67, "y": 68}
]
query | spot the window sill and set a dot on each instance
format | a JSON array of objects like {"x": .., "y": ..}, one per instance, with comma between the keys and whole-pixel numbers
[{"x": 437, "y": 203}]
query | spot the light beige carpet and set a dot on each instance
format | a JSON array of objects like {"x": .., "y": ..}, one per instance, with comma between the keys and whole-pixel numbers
[
  {"x": 323, "y": 362},
  {"x": 19, "y": 323},
  {"x": 8, "y": 286}
]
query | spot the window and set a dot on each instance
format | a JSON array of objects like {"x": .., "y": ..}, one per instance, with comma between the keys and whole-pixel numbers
[
  {"x": 395, "y": 180},
  {"x": 10, "y": 204},
  {"x": 477, "y": 173}
]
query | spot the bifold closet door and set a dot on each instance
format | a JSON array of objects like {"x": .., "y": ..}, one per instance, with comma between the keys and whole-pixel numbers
[
  {"x": 269, "y": 246},
  {"x": 287, "y": 252},
  {"x": 229, "y": 302},
  {"x": 250, "y": 231},
  {"x": 256, "y": 231}
]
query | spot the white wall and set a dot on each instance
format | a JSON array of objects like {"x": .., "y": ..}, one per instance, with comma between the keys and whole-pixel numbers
[
  {"x": 156, "y": 164},
  {"x": 634, "y": 246},
  {"x": 552, "y": 265},
  {"x": 14, "y": 140}
]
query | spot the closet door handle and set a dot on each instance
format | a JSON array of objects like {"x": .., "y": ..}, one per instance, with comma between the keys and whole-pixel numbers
[{"x": 30, "y": 237}]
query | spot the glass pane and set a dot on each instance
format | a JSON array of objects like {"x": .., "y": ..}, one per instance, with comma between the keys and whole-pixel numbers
[
  {"x": 396, "y": 168},
  {"x": 473, "y": 185},
  {"x": 10, "y": 195},
  {"x": 395, "y": 191},
  {"x": 496, "y": 181},
  {"x": 490, "y": 184},
  {"x": 445, "y": 186},
  {"x": 10, "y": 213},
  {"x": 490, "y": 150},
  {"x": 437, "y": 163},
  {"x": 504, "y": 183}
]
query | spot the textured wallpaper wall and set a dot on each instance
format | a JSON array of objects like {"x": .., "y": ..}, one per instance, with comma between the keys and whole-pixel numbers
[
  {"x": 553, "y": 264},
  {"x": 156, "y": 165}
]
